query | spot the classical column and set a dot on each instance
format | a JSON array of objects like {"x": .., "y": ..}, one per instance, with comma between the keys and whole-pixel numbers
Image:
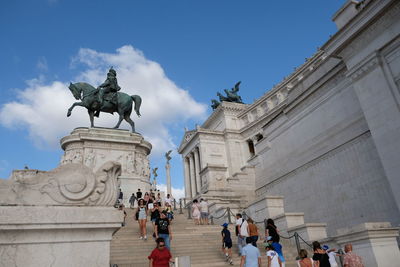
[
  {"x": 192, "y": 175},
  {"x": 197, "y": 169},
  {"x": 188, "y": 191},
  {"x": 167, "y": 170}
]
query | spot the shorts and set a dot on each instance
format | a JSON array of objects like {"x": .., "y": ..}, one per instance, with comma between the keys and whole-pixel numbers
[
  {"x": 227, "y": 244},
  {"x": 204, "y": 215},
  {"x": 142, "y": 216}
]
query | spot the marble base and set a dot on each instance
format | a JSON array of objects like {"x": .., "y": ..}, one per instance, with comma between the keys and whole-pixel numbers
[
  {"x": 57, "y": 236},
  {"x": 375, "y": 242},
  {"x": 94, "y": 146}
]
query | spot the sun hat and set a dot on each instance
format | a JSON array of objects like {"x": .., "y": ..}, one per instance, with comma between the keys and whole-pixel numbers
[
  {"x": 224, "y": 225},
  {"x": 325, "y": 247}
]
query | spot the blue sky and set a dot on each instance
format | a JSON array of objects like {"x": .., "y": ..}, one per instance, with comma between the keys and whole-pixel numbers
[{"x": 176, "y": 54}]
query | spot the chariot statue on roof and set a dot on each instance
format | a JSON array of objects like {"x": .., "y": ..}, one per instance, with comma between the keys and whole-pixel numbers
[{"x": 231, "y": 96}]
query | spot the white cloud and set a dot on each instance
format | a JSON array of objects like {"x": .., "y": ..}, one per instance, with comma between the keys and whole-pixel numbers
[
  {"x": 42, "y": 107},
  {"x": 177, "y": 193}
]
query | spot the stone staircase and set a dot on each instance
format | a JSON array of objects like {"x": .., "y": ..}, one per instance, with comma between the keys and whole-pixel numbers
[{"x": 201, "y": 242}]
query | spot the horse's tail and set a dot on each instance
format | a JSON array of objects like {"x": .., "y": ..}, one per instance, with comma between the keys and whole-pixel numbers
[{"x": 138, "y": 102}]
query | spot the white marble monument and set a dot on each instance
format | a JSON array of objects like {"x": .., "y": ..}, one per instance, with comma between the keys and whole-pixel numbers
[
  {"x": 95, "y": 146},
  {"x": 64, "y": 217},
  {"x": 323, "y": 143}
]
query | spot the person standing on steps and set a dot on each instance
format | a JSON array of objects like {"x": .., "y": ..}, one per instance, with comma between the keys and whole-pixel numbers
[
  {"x": 272, "y": 230},
  {"x": 139, "y": 194},
  {"x": 196, "y": 212},
  {"x": 155, "y": 214},
  {"x": 320, "y": 257},
  {"x": 142, "y": 218},
  {"x": 272, "y": 256},
  {"x": 160, "y": 256},
  {"x": 168, "y": 200},
  {"x": 278, "y": 249},
  {"x": 243, "y": 233},
  {"x": 304, "y": 261},
  {"x": 331, "y": 254},
  {"x": 203, "y": 211},
  {"x": 227, "y": 243},
  {"x": 253, "y": 231},
  {"x": 146, "y": 198},
  {"x": 163, "y": 229},
  {"x": 159, "y": 200},
  {"x": 121, "y": 207},
  {"x": 351, "y": 259},
  {"x": 120, "y": 196},
  {"x": 240, "y": 240},
  {"x": 250, "y": 255},
  {"x": 132, "y": 200}
]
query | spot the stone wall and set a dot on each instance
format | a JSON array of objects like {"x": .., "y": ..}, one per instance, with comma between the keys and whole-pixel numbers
[
  {"x": 322, "y": 155},
  {"x": 326, "y": 138}
]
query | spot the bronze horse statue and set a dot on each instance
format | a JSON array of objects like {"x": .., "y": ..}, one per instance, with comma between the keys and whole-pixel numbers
[{"x": 90, "y": 100}]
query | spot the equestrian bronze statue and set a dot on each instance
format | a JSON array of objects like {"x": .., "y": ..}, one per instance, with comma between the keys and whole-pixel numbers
[{"x": 105, "y": 98}]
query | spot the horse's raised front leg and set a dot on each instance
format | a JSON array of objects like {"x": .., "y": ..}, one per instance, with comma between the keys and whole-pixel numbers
[
  {"x": 130, "y": 121},
  {"x": 72, "y": 107},
  {"x": 119, "y": 122},
  {"x": 91, "y": 116}
]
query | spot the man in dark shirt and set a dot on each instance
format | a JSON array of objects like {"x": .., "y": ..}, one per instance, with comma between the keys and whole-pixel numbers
[
  {"x": 226, "y": 243},
  {"x": 163, "y": 229},
  {"x": 138, "y": 194}
]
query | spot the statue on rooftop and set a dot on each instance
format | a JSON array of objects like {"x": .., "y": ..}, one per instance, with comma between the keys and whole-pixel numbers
[
  {"x": 214, "y": 104},
  {"x": 167, "y": 156},
  {"x": 231, "y": 96},
  {"x": 105, "y": 98}
]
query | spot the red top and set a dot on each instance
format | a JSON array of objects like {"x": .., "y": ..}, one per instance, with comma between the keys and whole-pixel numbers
[{"x": 160, "y": 257}]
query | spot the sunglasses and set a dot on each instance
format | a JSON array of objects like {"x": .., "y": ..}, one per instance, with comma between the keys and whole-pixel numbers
[{"x": 161, "y": 246}]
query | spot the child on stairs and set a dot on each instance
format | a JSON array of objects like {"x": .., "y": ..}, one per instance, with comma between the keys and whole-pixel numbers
[{"x": 227, "y": 243}]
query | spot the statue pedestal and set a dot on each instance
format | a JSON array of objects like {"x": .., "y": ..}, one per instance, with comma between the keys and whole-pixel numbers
[{"x": 95, "y": 146}]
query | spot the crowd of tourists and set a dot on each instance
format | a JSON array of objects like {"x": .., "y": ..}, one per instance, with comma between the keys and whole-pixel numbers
[
  {"x": 159, "y": 210},
  {"x": 248, "y": 234}
]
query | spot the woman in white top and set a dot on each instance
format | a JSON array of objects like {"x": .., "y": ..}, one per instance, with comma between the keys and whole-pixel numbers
[
  {"x": 272, "y": 256},
  {"x": 196, "y": 212}
]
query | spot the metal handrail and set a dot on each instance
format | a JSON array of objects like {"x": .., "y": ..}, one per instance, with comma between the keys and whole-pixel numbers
[
  {"x": 305, "y": 242},
  {"x": 220, "y": 216}
]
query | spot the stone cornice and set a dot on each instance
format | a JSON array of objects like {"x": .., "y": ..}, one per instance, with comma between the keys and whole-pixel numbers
[
  {"x": 83, "y": 134},
  {"x": 364, "y": 67},
  {"x": 263, "y": 120},
  {"x": 368, "y": 11},
  {"x": 273, "y": 100}
]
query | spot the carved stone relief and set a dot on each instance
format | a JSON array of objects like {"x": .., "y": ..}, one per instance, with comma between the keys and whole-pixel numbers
[
  {"x": 69, "y": 184},
  {"x": 90, "y": 158}
]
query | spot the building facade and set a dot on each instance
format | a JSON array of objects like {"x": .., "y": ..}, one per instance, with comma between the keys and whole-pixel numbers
[{"x": 326, "y": 139}]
